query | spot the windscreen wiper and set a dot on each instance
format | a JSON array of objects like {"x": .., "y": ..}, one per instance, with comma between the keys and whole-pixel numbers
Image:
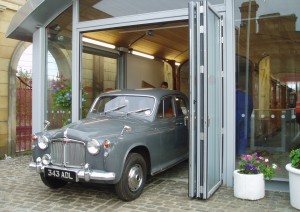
[
  {"x": 138, "y": 111},
  {"x": 114, "y": 109}
]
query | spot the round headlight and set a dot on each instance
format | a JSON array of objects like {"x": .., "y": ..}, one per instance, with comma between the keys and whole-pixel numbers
[
  {"x": 46, "y": 159},
  {"x": 43, "y": 142},
  {"x": 93, "y": 147}
]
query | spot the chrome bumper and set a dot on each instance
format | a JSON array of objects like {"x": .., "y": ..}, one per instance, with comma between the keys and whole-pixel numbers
[{"x": 85, "y": 174}]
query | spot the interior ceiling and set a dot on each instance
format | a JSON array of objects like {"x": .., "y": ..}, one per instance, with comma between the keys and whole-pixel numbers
[
  {"x": 164, "y": 41},
  {"x": 168, "y": 41}
]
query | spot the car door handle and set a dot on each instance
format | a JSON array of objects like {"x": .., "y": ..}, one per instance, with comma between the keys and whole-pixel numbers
[{"x": 179, "y": 123}]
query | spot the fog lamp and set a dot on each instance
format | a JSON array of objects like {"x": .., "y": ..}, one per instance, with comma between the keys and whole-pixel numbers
[{"x": 46, "y": 159}]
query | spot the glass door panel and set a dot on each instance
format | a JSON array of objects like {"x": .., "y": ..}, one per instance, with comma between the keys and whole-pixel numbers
[
  {"x": 58, "y": 74},
  {"x": 267, "y": 69},
  {"x": 205, "y": 101},
  {"x": 99, "y": 74},
  {"x": 214, "y": 103}
]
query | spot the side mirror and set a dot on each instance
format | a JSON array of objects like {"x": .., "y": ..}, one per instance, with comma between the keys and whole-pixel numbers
[
  {"x": 46, "y": 124},
  {"x": 125, "y": 129}
]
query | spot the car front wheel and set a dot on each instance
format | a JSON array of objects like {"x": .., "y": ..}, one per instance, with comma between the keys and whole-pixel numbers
[
  {"x": 52, "y": 182},
  {"x": 133, "y": 178}
]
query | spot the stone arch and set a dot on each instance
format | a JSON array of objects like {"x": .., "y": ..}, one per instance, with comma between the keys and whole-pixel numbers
[
  {"x": 62, "y": 58},
  {"x": 21, "y": 47}
]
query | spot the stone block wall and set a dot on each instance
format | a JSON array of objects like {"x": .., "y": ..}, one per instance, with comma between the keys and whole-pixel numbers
[{"x": 8, "y": 9}]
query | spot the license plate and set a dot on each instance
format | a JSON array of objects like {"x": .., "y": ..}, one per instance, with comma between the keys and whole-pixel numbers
[{"x": 61, "y": 174}]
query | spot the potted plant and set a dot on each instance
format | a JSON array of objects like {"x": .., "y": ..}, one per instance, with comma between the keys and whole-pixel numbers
[
  {"x": 249, "y": 179},
  {"x": 294, "y": 177}
]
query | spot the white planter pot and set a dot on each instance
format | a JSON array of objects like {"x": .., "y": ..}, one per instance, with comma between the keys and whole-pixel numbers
[
  {"x": 249, "y": 186},
  {"x": 294, "y": 181}
]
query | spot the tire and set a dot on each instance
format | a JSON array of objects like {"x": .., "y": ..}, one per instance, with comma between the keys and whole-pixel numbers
[
  {"x": 133, "y": 178},
  {"x": 52, "y": 182}
]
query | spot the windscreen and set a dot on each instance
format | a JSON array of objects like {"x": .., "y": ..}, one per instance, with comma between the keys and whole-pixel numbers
[{"x": 124, "y": 105}]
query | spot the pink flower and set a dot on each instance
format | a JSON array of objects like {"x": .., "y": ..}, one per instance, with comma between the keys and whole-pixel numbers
[{"x": 249, "y": 157}]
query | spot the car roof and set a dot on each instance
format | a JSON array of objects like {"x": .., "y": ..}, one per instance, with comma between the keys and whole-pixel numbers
[{"x": 157, "y": 93}]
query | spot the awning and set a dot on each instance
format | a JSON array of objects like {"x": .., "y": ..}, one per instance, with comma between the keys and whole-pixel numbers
[{"x": 34, "y": 14}]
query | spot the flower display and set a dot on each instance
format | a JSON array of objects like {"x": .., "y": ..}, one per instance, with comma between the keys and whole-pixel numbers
[
  {"x": 256, "y": 164},
  {"x": 62, "y": 98}
]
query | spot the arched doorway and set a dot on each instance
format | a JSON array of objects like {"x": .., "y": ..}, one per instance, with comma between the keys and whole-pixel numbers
[
  {"x": 20, "y": 99},
  {"x": 12, "y": 113},
  {"x": 24, "y": 101}
]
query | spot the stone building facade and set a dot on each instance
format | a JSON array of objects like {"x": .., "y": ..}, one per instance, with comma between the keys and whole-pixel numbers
[{"x": 10, "y": 52}]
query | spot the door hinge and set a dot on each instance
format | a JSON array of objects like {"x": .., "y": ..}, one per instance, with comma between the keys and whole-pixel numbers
[
  {"x": 222, "y": 131},
  {"x": 201, "y": 189},
  {"x": 201, "y": 69},
  {"x": 222, "y": 74},
  {"x": 201, "y": 9},
  {"x": 201, "y": 136},
  {"x": 222, "y": 40},
  {"x": 201, "y": 29}
]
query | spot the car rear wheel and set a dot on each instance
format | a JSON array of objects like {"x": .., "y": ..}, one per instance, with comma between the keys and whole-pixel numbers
[
  {"x": 133, "y": 178},
  {"x": 52, "y": 182}
]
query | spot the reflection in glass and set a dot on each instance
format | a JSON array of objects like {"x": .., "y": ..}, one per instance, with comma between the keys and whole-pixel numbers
[
  {"x": 59, "y": 46},
  {"x": 100, "y": 9},
  {"x": 99, "y": 74},
  {"x": 101, "y": 65},
  {"x": 268, "y": 69}
]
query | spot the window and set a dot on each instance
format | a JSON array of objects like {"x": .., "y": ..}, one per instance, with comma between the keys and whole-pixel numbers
[
  {"x": 267, "y": 79},
  {"x": 181, "y": 109},
  {"x": 166, "y": 108}
]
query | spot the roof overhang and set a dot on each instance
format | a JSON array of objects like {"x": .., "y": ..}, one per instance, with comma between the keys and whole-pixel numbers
[{"x": 34, "y": 14}]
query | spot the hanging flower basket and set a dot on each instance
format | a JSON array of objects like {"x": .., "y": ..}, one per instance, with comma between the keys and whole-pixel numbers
[{"x": 249, "y": 186}]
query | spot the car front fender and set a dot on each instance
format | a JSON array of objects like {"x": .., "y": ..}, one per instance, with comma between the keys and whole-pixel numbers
[{"x": 115, "y": 161}]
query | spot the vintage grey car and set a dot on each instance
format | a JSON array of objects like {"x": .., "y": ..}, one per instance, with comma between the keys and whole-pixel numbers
[{"x": 126, "y": 136}]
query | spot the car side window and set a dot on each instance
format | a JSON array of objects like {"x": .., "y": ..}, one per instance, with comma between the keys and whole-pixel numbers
[
  {"x": 181, "y": 108},
  {"x": 166, "y": 108}
]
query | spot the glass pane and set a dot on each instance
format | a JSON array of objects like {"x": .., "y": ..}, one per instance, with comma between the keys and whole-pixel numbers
[
  {"x": 165, "y": 109},
  {"x": 181, "y": 108},
  {"x": 103, "y": 48},
  {"x": 214, "y": 103},
  {"x": 59, "y": 46},
  {"x": 267, "y": 69},
  {"x": 100, "y": 9},
  {"x": 138, "y": 106},
  {"x": 99, "y": 74}
]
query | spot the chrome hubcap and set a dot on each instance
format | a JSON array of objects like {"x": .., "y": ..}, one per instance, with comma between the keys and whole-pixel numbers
[{"x": 135, "y": 177}]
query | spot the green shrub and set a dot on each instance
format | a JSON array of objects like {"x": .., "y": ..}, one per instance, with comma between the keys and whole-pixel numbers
[{"x": 295, "y": 158}]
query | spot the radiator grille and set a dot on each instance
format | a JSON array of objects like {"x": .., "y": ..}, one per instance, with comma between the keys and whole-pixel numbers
[{"x": 67, "y": 152}]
